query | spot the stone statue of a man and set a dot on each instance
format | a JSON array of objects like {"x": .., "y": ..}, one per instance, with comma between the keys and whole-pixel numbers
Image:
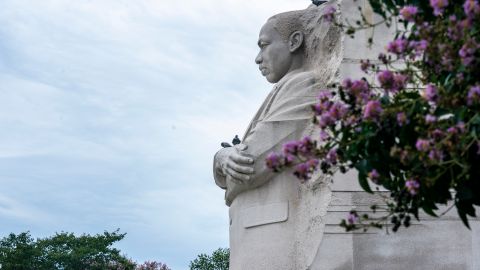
[{"x": 275, "y": 222}]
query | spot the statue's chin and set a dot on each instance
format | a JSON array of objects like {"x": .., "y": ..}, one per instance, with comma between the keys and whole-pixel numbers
[{"x": 271, "y": 79}]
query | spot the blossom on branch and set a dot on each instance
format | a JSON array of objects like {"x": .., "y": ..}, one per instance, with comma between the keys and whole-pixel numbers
[
  {"x": 329, "y": 13},
  {"x": 373, "y": 110},
  {"x": 473, "y": 96},
  {"x": 408, "y": 13},
  {"x": 412, "y": 186},
  {"x": 438, "y": 6}
]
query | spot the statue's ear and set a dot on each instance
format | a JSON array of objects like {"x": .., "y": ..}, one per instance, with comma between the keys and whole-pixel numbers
[{"x": 295, "y": 41}]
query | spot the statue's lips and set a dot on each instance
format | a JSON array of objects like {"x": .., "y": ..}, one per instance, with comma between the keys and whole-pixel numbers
[{"x": 264, "y": 71}]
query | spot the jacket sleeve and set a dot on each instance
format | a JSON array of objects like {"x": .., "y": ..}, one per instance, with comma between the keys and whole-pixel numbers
[
  {"x": 288, "y": 119},
  {"x": 218, "y": 175}
]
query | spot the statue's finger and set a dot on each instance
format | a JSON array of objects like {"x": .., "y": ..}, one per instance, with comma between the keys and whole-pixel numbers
[
  {"x": 239, "y": 176},
  {"x": 239, "y": 168},
  {"x": 234, "y": 180},
  {"x": 241, "y": 159}
]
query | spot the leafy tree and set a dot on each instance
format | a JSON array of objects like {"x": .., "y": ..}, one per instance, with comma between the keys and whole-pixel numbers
[
  {"x": 69, "y": 252},
  {"x": 18, "y": 251},
  {"x": 219, "y": 260}
]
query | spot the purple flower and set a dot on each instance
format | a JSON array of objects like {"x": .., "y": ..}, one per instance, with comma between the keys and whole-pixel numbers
[
  {"x": 350, "y": 121},
  {"x": 399, "y": 82},
  {"x": 358, "y": 88},
  {"x": 313, "y": 163},
  {"x": 437, "y": 134},
  {"x": 398, "y": 46},
  {"x": 332, "y": 156},
  {"x": 467, "y": 52},
  {"x": 435, "y": 155},
  {"x": 386, "y": 79},
  {"x": 422, "y": 145},
  {"x": 329, "y": 13},
  {"x": 374, "y": 176},
  {"x": 365, "y": 65},
  {"x": 471, "y": 7},
  {"x": 325, "y": 95},
  {"x": 318, "y": 108},
  {"x": 273, "y": 161},
  {"x": 430, "y": 118},
  {"x": 456, "y": 29},
  {"x": 347, "y": 83},
  {"x": 431, "y": 93},
  {"x": 473, "y": 96},
  {"x": 412, "y": 186},
  {"x": 408, "y": 13},
  {"x": 304, "y": 170},
  {"x": 352, "y": 217},
  {"x": 438, "y": 6},
  {"x": 329, "y": 112},
  {"x": 402, "y": 119},
  {"x": 337, "y": 111},
  {"x": 452, "y": 130},
  {"x": 324, "y": 135},
  {"x": 325, "y": 120},
  {"x": 382, "y": 57},
  {"x": 290, "y": 148},
  {"x": 418, "y": 46},
  {"x": 306, "y": 146},
  {"x": 372, "y": 110},
  {"x": 288, "y": 159}
]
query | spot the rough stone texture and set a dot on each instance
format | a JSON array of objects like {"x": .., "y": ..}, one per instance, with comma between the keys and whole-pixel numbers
[
  {"x": 277, "y": 223},
  {"x": 443, "y": 243}
]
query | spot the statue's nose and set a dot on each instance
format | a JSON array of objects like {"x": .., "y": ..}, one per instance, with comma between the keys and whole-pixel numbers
[{"x": 258, "y": 59}]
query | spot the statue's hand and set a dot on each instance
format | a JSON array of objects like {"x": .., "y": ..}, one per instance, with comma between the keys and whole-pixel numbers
[{"x": 236, "y": 164}]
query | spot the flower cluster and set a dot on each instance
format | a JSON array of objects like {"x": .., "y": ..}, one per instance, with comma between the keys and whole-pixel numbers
[
  {"x": 328, "y": 112},
  {"x": 392, "y": 82},
  {"x": 409, "y": 12},
  {"x": 329, "y": 13},
  {"x": 415, "y": 128},
  {"x": 300, "y": 153},
  {"x": 438, "y": 6}
]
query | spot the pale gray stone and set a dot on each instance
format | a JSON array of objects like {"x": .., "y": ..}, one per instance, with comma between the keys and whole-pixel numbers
[
  {"x": 275, "y": 221},
  {"x": 278, "y": 223}
]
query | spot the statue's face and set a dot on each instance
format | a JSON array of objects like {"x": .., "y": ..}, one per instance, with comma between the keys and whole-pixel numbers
[{"x": 274, "y": 59}]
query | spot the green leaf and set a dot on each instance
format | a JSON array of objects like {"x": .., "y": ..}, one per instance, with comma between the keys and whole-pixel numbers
[
  {"x": 377, "y": 8},
  {"x": 362, "y": 168},
  {"x": 429, "y": 210},
  {"x": 463, "y": 217}
]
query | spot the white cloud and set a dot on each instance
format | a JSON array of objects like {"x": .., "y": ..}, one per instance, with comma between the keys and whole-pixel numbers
[{"x": 111, "y": 112}]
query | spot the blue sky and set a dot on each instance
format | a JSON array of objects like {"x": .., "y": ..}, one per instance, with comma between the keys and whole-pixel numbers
[{"x": 111, "y": 111}]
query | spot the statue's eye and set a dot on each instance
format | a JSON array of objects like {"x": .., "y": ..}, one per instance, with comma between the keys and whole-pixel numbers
[{"x": 262, "y": 45}]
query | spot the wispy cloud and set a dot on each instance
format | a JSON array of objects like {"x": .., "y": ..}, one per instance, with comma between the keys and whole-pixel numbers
[{"x": 111, "y": 112}]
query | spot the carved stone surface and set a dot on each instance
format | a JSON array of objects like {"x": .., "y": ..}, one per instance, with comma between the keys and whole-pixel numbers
[
  {"x": 278, "y": 223},
  {"x": 443, "y": 243}
]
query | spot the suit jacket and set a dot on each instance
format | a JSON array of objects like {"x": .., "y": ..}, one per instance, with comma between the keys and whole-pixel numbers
[{"x": 276, "y": 222}]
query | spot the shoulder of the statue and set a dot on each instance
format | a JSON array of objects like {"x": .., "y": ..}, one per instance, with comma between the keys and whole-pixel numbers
[{"x": 298, "y": 84}]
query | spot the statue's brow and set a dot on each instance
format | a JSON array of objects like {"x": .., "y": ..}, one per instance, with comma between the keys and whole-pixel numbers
[{"x": 260, "y": 40}]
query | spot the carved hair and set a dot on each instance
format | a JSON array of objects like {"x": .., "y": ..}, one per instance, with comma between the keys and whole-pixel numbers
[
  {"x": 287, "y": 22},
  {"x": 322, "y": 39}
]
